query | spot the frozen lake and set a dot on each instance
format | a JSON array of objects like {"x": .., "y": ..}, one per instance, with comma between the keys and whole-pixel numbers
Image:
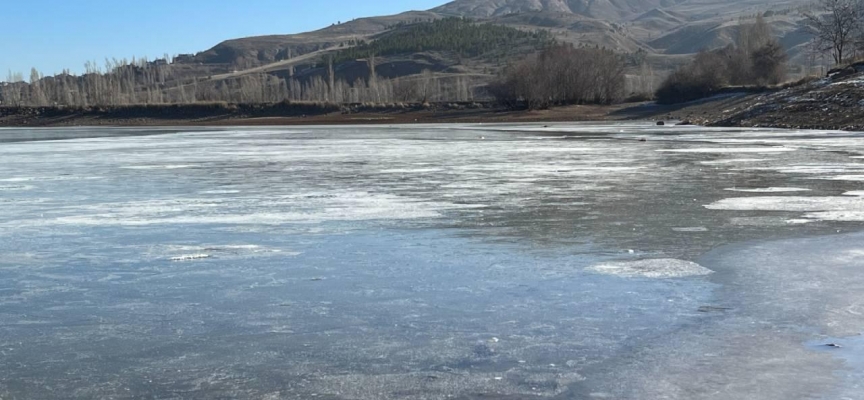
[{"x": 621, "y": 261}]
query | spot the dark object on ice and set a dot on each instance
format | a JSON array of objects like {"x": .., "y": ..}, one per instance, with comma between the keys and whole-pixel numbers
[
  {"x": 685, "y": 123},
  {"x": 643, "y": 140},
  {"x": 660, "y": 123},
  {"x": 707, "y": 309},
  {"x": 483, "y": 350},
  {"x": 834, "y": 345},
  {"x": 545, "y": 126}
]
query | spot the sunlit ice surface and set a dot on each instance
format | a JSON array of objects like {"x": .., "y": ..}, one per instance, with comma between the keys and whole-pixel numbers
[{"x": 622, "y": 261}]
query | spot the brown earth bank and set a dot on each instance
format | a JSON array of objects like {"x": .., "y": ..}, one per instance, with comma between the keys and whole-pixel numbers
[
  {"x": 835, "y": 102},
  {"x": 294, "y": 114}
]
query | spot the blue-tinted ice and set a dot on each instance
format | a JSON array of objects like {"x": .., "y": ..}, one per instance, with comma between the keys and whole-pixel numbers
[{"x": 426, "y": 262}]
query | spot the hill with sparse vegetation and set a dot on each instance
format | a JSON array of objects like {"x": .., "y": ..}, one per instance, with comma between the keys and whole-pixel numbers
[{"x": 449, "y": 53}]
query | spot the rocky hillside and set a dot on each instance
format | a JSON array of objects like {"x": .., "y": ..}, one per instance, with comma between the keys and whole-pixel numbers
[{"x": 834, "y": 102}]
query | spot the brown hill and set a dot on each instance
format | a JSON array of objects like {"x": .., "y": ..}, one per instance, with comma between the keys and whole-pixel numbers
[
  {"x": 612, "y": 10},
  {"x": 258, "y": 50},
  {"x": 661, "y": 27}
]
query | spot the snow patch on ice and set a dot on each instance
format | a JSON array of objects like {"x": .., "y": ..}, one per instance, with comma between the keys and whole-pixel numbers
[
  {"x": 301, "y": 208},
  {"x": 49, "y": 179},
  {"x": 691, "y": 229},
  {"x": 789, "y": 203},
  {"x": 734, "y": 161},
  {"x": 826, "y": 208},
  {"x": 839, "y": 216},
  {"x": 148, "y": 167},
  {"x": 768, "y": 190},
  {"x": 219, "y": 192},
  {"x": 410, "y": 170},
  {"x": 554, "y": 150},
  {"x": 722, "y": 150},
  {"x": 190, "y": 257},
  {"x": 822, "y": 169},
  {"x": 652, "y": 268},
  {"x": 10, "y": 188},
  {"x": 850, "y": 178}
]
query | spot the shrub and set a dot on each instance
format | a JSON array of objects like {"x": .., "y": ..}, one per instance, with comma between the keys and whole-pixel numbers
[
  {"x": 562, "y": 74},
  {"x": 757, "y": 59}
]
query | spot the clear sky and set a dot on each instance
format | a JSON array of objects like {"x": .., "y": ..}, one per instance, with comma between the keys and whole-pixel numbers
[{"x": 54, "y": 34}]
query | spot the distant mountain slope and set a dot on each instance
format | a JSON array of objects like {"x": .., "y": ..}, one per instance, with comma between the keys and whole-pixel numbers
[
  {"x": 655, "y": 36},
  {"x": 673, "y": 27},
  {"x": 251, "y": 51},
  {"x": 574, "y": 28},
  {"x": 614, "y": 10}
]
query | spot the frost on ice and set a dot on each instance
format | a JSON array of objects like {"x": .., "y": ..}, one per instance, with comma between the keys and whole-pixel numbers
[
  {"x": 652, "y": 268},
  {"x": 767, "y": 190}
]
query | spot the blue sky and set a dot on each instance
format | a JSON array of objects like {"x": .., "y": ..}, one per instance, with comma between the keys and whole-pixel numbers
[{"x": 54, "y": 34}]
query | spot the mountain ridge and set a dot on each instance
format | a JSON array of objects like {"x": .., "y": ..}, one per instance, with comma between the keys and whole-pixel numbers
[{"x": 672, "y": 27}]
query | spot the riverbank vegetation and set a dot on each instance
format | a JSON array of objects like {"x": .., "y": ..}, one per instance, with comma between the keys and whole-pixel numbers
[
  {"x": 563, "y": 74},
  {"x": 756, "y": 59}
]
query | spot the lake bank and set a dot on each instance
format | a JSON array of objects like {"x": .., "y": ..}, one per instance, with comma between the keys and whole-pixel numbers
[{"x": 833, "y": 103}]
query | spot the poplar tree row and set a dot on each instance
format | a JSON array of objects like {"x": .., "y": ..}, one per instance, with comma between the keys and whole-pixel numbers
[{"x": 156, "y": 83}]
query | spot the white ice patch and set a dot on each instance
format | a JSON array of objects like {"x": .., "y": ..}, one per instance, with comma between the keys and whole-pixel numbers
[
  {"x": 554, "y": 150},
  {"x": 767, "y": 221},
  {"x": 653, "y": 268},
  {"x": 411, "y": 170},
  {"x": 691, "y": 229},
  {"x": 15, "y": 188},
  {"x": 854, "y": 193},
  {"x": 190, "y": 257},
  {"x": 850, "y": 178},
  {"x": 768, "y": 190},
  {"x": 829, "y": 208},
  {"x": 222, "y": 251},
  {"x": 822, "y": 169},
  {"x": 49, "y": 179},
  {"x": 734, "y": 161},
  {"x": 149, "y": 167},
  {"x": 219, "y": 192},
  {"x": 840, "y": 216},
  {"x": 789, "y": 203},
  {"x": 723, "y": 150},
  {"x": 310, "y": 207}
]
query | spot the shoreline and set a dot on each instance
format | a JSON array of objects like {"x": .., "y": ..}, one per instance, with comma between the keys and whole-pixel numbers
[{"x": 743, "y": 110}]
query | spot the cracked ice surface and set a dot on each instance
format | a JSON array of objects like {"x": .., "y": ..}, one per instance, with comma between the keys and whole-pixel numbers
[{"x": 424, "y": 262}]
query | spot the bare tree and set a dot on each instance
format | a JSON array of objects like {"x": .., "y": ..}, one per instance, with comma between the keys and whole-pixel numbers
[
  {"x": 563, "y": 75},
  {"x": 834, "y": 26}
]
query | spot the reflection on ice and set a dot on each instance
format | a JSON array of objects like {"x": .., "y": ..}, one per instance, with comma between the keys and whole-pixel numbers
[{"x": 423, "y": 262}]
